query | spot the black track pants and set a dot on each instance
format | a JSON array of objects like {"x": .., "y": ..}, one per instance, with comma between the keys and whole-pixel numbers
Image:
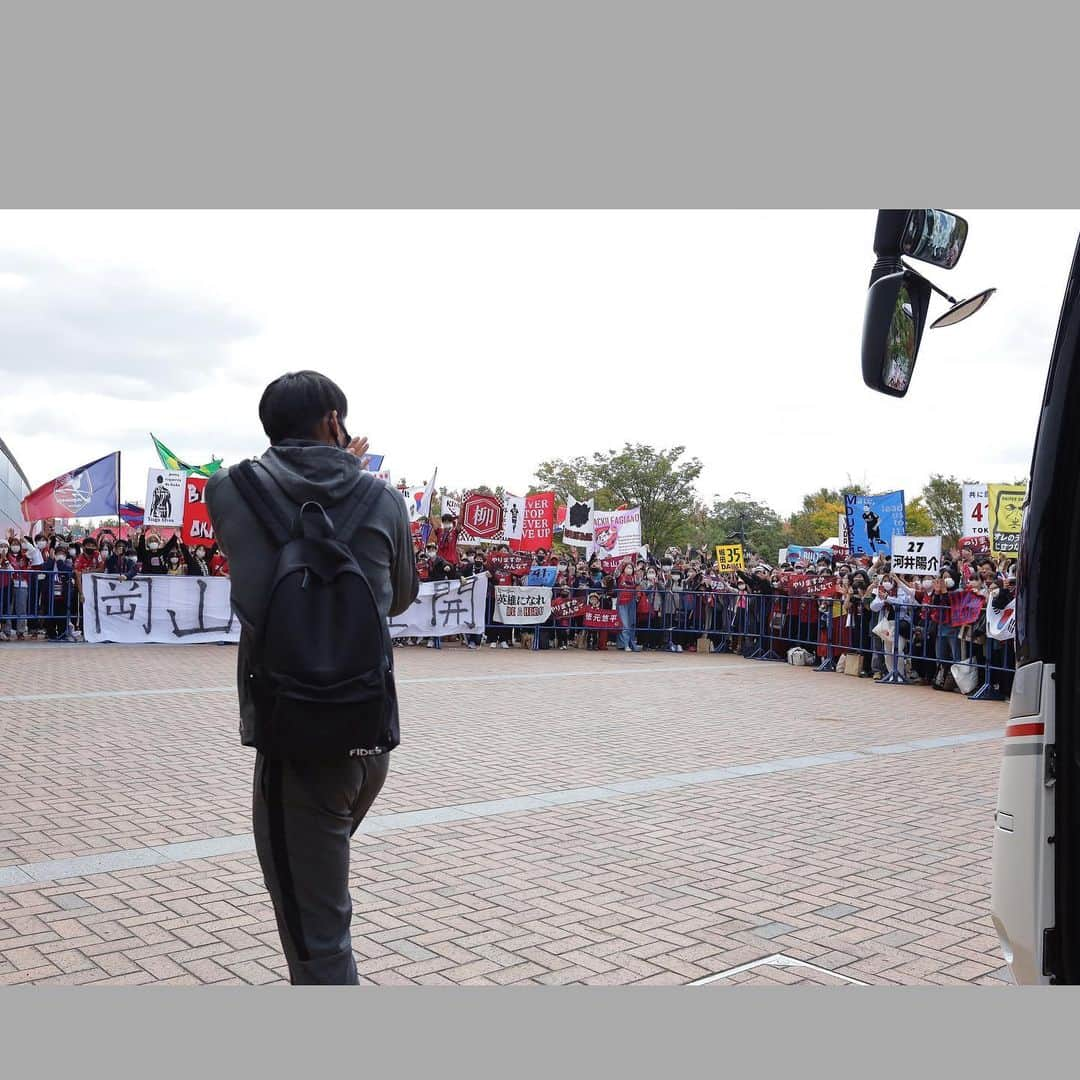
[{"x": 305, "y": 814}]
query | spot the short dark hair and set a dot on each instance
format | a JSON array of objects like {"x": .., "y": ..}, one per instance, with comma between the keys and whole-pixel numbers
[{"x": 293, "y": 404}]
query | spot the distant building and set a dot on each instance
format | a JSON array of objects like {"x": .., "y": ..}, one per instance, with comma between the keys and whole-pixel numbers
[{"x": 14, "y": 487}]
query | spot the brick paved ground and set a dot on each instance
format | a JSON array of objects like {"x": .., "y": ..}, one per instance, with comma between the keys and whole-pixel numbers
[{"x": 874, "y": 867}]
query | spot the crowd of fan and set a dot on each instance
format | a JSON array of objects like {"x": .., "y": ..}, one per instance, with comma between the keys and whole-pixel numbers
[
  {"x": 682, "y": 601},
  {"x": 41, "y": 577}
]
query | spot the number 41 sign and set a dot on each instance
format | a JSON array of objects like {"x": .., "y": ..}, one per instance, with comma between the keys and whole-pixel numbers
[{"x": 916, "y": 554}]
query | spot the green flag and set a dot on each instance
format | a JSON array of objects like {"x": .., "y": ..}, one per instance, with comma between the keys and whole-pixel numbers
[{"x": 171, "y": 461}]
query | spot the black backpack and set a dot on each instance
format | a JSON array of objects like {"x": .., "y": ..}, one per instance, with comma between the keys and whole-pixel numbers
[{"x": 321, "y": 671}]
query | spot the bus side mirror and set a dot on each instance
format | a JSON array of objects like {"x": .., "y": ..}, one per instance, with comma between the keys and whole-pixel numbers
[{"x": 896, "y": 307}]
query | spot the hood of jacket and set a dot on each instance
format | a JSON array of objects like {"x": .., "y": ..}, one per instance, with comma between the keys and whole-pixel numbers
[{"x": 312, "y": 471}]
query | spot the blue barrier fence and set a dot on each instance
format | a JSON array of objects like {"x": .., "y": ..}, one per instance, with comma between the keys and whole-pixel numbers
[
  {"x": 757, "y": 626},
  {"x": 36, "y": 601},
  {"x": 766, "y": 627}
]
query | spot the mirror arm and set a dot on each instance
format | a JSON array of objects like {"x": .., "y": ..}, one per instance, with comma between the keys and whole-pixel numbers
[{"x": 940, "y": 292}]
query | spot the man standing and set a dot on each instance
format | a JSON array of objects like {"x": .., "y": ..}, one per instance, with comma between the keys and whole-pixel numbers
[{"x": 306, "y": 808}]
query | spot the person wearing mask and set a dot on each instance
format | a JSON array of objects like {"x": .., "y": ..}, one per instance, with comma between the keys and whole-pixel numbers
[
  {"x": 18, "y": 567},
  {"x": 174, "y": 564},
  {"x": 196, "y": 559},
  {"x": 947, "y": 636},
  {"x": 472, "y": 566},
  {"x": 626, "y": 597},
  {"x": 62, "y": 587},
  {"x": 40, "y": 600},
  {"x": 7, "y": 600},
  {"x": 446, "y": 539},
  {"x": 152, "y": 553}
]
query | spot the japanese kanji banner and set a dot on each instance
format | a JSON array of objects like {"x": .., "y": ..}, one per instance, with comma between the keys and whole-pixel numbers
[
  {"x": 578, "y": 527},
  {"x": 517, "y": 605},
  {"x": 1006, "y": 517},
  {"x": 197, "y": 528},
  {"x": 976, "y": 510},
  {"x": 538, "y": 524},
  {"x": 164, "y": 498},
  {"x": 916, "y": 555},
  {"x": 443, "y": 608},
  {"x": 481, "y": 520},
  {"x": 616, "y": 532},
  {"x": 158, "y": 609},
  {"x": 729, "y": 557},
  {"x": 980, "y": 545},
  {"x": 600, "y": 619},
  {"x": 872, "y": 520}
]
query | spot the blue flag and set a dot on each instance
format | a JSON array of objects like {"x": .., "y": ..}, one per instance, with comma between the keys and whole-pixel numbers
[
  {"x": 91, "y": 490},
  {"x": 872, "y": 520}
]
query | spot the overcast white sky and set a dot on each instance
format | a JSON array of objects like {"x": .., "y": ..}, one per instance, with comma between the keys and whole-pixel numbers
[{"x": 488, "y": 342}]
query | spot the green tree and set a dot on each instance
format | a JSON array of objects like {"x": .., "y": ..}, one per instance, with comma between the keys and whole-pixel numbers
[
  {"x": 819, "y": 517},
  {"x": 920, "y": 522},
  {"x": 943, "y": 498},
  {"x": 764, "y": 531},
  {"x": 657, "y": 480}
]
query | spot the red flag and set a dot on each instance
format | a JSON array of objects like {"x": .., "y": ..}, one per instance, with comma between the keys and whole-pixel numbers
[
  {"x": 538, "y": 526},
  {"x": 197, "y": 528}
]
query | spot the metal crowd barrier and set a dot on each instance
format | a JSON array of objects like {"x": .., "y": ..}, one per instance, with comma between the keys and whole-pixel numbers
[
  {"x": 37, "y": 600},
  {"x": 764, "y": 627}
]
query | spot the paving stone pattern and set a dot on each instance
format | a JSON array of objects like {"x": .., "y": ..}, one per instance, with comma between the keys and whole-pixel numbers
[{"x": 877, "y": 867}]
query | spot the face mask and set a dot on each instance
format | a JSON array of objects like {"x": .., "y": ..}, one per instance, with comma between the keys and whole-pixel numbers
[
  {"x": 41, "y": 545},
  {"x": 89, "y": 552},
  {"x": 927, "y": 583},
  {"x": 201, "y": 552},
  {"x": 431, "y": 553},
  {"x": 153, "y": 546},
  {"x": 949, "y": 583},
  {"x": 889, "y": 586},
  {"x": 652, "y": 577},
  {"x": 174, "y": 562}
]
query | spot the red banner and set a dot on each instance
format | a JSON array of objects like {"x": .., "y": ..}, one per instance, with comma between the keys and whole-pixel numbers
[
  {"x": 808, "y": 585},
  {"x": 612, "y": 566},
  {"x": 197, "y": 528},
  {"x": 511, "y": 561},
  {"x": 964, "y": 607},
  {"x": 538, "y": 525},
  {"x": 979, "y": 545},
  {"x": 601, "y": 619},
  {"x": 569, "y": 607}
]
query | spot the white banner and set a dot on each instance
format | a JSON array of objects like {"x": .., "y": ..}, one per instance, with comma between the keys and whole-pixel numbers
[
  {"x": 616, "y": 532},
  {"x": 578, "y": 527},
  {"x": 916, "y": 555},
  {"x": 158, "y": 609},
  {"x": 451, "y": 506},
  {"x": 976, "y": 511},
  {"x": 518, "y": 605},
  {"x": 1001, "y": 625},
  {"x": 164, "y": 498},
  {"x": 444, "y": 608},
  {"x": 513, "y": 516}
]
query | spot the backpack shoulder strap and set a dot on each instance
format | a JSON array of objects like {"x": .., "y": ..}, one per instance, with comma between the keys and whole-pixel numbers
[
  {"x": 345, "y": 527},
  {"x": 267, "y": 512}
]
